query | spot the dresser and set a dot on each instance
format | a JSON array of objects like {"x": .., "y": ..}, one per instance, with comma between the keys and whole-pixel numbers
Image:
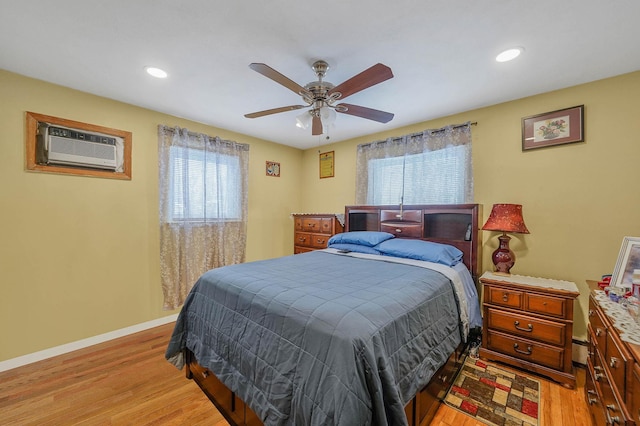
[
  {"x": 528, "y": 323},
  {"x": 312, "y": 231},
  {"x": 612, "y": 385}
]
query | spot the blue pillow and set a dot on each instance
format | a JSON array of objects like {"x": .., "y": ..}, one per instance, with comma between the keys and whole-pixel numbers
[
  {"x": 356, "y": 248},
  {"x": 421, "y": 250},
  {"x": 364, "y": 238}
]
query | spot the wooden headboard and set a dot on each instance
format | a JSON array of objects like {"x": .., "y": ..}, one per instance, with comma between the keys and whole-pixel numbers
[{"x": 454, "y": 224}]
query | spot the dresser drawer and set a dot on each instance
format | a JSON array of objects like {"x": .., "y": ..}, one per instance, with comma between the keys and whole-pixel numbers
[
  {"x": 527, "y": 350},
  {"x": 319, "y": 241},
  {"x": 532, "y": 328},
  {"x": 593, "y": 397},
  {"x": 634, "y": 390},
  {"x": 326, "y": 225},
  {"x": 303, "y": 239},
  {"x": 614, "y": 408},
  {"x": 597, "y": 324},
  {"x": 616, "y": 359},
  {"x": 406, "y": 230},
  {"x": 311, "y": 224},
  {"x": 545, "y": 305},
  {"x": 504, "y": 297}
]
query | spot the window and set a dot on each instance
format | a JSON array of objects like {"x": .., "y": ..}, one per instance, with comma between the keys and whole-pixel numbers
[
  {"x": 203, "y": 191},
  {"x": 204, "y": 186},
  {"x": 436, "y": 177},
  {"x": 431, "y": 167}
]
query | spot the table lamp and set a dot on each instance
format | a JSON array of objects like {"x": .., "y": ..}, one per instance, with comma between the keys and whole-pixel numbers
[{"x": 505, "y": 218}]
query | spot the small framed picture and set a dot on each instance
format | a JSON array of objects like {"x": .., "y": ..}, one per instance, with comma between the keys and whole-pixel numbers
[
  {"x": 326, "y": 164},
  {"x": 628, "y": 262},
  {"x": 553, "y": 128},
  {"x": 273, "y": 169}
]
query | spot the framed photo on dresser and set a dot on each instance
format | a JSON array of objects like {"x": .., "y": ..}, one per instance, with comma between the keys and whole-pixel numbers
[{"x": 628, "y": 262}]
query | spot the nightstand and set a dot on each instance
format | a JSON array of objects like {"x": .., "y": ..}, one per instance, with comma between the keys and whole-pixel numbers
[{"x": 528, "y": 323}]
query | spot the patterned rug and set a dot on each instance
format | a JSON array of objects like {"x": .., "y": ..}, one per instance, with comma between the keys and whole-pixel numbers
[{"x": 495, "y": 396}]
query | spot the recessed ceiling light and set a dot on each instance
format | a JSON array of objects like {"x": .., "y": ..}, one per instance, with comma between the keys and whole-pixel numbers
[
  {"x": 509, "y": 54},
  {"x": 156, "y": 72}
]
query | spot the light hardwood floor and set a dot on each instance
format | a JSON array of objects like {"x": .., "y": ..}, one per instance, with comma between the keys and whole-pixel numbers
[{"x": 128, "y": 382}]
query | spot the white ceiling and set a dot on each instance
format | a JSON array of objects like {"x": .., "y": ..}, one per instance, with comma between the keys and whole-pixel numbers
[{"x": 441, "y": 53}]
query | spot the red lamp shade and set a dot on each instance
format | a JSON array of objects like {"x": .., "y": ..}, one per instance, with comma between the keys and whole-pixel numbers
[{"x": 505, "y": 218}]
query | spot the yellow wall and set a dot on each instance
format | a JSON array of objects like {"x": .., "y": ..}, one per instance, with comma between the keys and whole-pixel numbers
[
  {"x": 96, "y": 269},
  {"x": 80, "y": 256},
  {"x": 579, "y": 200}
]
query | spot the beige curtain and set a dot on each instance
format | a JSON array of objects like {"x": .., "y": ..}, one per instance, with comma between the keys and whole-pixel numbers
[
  {"x": 429, "y": 167},
  {"x": 203, "y": 184}
]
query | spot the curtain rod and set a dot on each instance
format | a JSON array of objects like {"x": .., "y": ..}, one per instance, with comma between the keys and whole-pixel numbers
[
  {"x": 196, "y": 134},
  {"x": 413, "y": 135}
]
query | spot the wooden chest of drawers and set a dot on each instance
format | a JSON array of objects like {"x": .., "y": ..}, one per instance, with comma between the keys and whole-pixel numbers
[
  {"x": 612, "y": 386},
  {"x": 528, "y": 323},
  {"x": 312, "y": 231}
]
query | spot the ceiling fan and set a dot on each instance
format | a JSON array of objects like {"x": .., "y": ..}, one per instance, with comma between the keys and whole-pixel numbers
[{"x": 320, "y": 96}]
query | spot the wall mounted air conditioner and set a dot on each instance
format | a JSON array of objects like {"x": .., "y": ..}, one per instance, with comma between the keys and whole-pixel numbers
[{"x": 59, "y": 145}]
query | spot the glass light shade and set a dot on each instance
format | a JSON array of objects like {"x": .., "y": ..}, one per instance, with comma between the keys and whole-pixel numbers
[
  {"x": 303, "y": 120},
  {"x": 327, "y": 115}
]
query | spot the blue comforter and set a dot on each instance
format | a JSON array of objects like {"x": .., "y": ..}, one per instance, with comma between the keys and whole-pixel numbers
[{"x": 319, "y": 338}]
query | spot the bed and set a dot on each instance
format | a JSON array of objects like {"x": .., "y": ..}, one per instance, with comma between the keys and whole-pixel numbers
[{"x": 368, "y": 331}]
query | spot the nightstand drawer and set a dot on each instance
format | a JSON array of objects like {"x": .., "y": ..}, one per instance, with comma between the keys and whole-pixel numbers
[
  {"x": 527, "y": 350},
  {"x": 531, "y": 328},
  {"x": 545, "y": 305},
  {"x": 503, "y": 297}
]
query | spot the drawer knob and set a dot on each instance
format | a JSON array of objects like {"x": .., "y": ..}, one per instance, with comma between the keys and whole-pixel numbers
[
  {"x": 614, "y": 419},
  {"x": 599, "y": 331},
  {"x": 320, "y": 241},
  {"x": 591, "y": 312},
  {"x": 398, "y": 231},
  {"x": 528, "y": 329},
  {"x": 302, "y": 239},
  {"x": 520, "y": 351},
  {"x": 613, "y": 362},
  {"x": 505, "y": 297}
]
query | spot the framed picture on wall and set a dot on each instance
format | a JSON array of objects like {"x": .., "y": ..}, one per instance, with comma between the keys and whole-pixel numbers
[
  {"x": 553, "y": 128},
  {"x": 327, "y": 164},
  {"x": 628, "y": 262}
]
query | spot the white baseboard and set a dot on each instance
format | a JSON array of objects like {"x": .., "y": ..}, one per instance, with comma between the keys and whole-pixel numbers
[{"x": 84, "y": 343}]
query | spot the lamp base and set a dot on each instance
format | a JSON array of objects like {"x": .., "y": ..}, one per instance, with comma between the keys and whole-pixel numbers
[{"x": 503, "y": 258}]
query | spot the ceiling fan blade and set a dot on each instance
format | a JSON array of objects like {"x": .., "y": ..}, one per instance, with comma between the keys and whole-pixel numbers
[
  {"x": 364, "y": 112},
  {"x": 274, "y": 111},
  {"x": 367, "y": 78},
  {"x": 316, "y": 126},
  {"x": 274, "y": 75}
]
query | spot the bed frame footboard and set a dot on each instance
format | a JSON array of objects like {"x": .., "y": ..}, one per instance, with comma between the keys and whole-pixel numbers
[{"x": 420, "y": 410}]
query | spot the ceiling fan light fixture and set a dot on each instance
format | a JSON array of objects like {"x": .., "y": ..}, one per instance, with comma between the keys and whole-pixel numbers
[
  {"x": 327, "y": 115},
  {"x": 303, "y": 120},
  {"x": 509, "y": 54}
]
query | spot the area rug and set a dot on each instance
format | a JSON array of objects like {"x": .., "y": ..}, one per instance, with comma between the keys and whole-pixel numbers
[{"x": 495, "y": 396}]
